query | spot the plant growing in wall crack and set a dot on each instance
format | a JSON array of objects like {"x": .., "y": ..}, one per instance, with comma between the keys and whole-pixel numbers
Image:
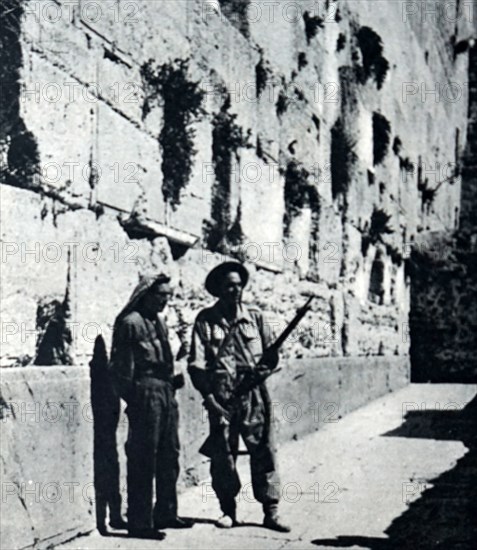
[
  {"x": 374, "y": 65},
  {"x": 312, "y": 25},
  {"x": 374, "y": 231},
  {"x": 343, "y": 158},
  {"x": 298, "y": 193},
  {"x": 227, "y": 138},
  {"x": 182, "y": 100},
  {"x": 381, "y": 137}
]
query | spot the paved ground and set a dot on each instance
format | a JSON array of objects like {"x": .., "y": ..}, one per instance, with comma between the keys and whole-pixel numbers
[{"x": 371, "y": 480}]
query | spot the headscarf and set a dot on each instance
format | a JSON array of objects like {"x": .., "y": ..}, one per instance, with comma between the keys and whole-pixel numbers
[{"x": 146, "y": 282}]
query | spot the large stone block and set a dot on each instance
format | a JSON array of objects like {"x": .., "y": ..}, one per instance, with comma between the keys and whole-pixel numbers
[
  {"x": 46, "y": 449},
  {"x": 47, "y": 435},
  {"x": 32, "y": 250},
  {"x": 52, "y": 104}
]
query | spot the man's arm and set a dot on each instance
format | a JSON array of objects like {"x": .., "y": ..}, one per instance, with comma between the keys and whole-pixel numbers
[
  {"x": 199, "y": 373},
  {"x": 197, "y": 366}
]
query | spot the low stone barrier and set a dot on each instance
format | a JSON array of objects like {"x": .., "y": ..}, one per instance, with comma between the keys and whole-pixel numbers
[{"x": 47, "y": 435}]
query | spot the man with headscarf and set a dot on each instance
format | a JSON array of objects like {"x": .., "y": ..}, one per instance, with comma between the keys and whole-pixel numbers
[
  {"x": 229, "y": 340},
  {"x": 143, "y": 369}
]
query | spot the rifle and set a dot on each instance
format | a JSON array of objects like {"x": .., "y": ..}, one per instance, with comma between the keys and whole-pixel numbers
[
  {"x": 262, "y": 371},
  {"x": 256, "y": 376}
]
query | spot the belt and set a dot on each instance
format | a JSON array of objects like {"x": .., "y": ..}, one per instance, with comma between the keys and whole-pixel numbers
[{"x": 153, "y": 376}]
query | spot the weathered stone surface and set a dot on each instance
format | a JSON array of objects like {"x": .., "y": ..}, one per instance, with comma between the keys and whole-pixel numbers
[
  {"x": 83, "y": 176},
  {"x": 285, "y": 100},
  {"x": 46, "y": 450},
  {"x": 443, "y": 319},
  {"x": 47, "y": 435}
]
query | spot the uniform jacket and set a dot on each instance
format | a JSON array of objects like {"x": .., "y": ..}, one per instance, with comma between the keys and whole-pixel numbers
[
  {"x": 221, "y": 352},
  {"x": 140, "y": 349}
]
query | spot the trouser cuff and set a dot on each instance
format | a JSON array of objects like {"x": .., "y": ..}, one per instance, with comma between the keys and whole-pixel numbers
[
  {"x": 229, "y": 507},
  {"x": 270, "y": 508}
]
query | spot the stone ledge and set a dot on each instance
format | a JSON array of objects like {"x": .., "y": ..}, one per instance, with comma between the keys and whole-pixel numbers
[{"x": 47, "y": 435}]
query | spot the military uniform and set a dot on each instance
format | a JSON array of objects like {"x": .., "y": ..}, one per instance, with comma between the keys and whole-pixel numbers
[
  {"x": 142, "y": 366},
  {"x": 221, "y": 354}
]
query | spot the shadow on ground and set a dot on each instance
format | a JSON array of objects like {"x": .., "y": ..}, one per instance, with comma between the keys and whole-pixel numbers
[{"x": 445, "y": 515}]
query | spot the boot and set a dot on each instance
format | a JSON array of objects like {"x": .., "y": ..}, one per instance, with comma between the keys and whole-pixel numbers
[
  {"x": 101, "y": 515},
  {"x": 174, "y": 522},
  {"x": 228, "y": 520},
  {"x": 271, "y": 519},
  {"x": 225, "y": 522},
  {"x": 116, "y": 520}
]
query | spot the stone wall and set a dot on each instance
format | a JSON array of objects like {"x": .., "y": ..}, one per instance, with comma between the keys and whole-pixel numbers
[
  {"x": 47, "y": 426},
  {"x": 443, "y": 321},
  {"x": 148, "y": 136},
  {"x": 295, "y": 145}
]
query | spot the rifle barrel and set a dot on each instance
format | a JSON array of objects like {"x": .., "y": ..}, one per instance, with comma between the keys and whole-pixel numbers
[{"x": 293, "y": 323}]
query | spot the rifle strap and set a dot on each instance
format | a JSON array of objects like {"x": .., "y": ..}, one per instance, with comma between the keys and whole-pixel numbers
[
  {"x": 223, "y": 345},
  {"x": 244, "y": 347}
]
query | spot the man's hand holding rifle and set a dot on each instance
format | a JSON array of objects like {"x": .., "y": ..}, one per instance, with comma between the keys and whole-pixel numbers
[{"x": 269, "y": 360}]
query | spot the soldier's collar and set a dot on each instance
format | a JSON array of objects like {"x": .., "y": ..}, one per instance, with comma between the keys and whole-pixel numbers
[{"x": 243, "y": 314}]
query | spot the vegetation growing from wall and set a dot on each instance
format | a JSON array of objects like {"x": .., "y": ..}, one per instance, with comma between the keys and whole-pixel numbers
[
  {"x": 298, "y": 193},
  {"x": 182, "y": 103},
  {"x": 11, "y": 12},
  {"x": 381, "y": 138},
  {"x": 376, "y": 229},
  {"x": 302, "y": 61},
  {"x": 262, "y": 72},
  {"x": 312, "y": 25},
  {"x": 442, "y": 323},
  {"x": 236, "y": 12},
  {"x": 428, "y": 193},
  {"x": 17, "y": 144},
  {"x": 23, "y": 158},
  {"x": 341, "y": 42},
  {"x": 397, "y": 145},
  {"x": 282, "y": 103},
  {"x": 227, "y": 138},
  {"x": 342, "y": 159},
  {"x": 375, "y": 65}
]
